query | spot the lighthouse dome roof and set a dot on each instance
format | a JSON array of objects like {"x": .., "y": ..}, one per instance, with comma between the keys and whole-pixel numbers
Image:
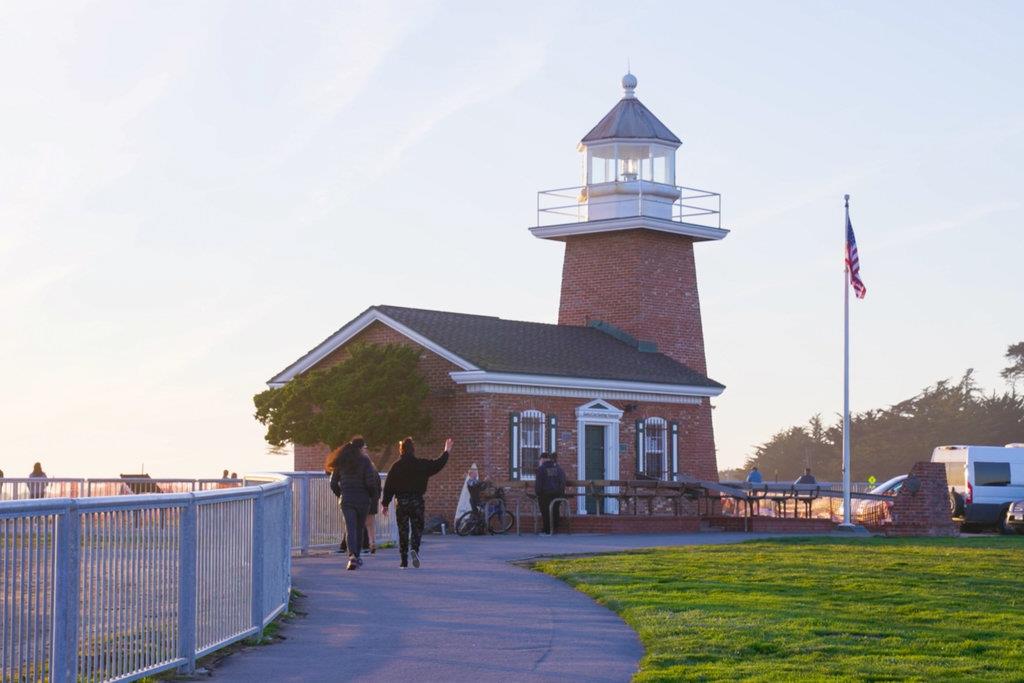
[{"x": 630, "y": 119}]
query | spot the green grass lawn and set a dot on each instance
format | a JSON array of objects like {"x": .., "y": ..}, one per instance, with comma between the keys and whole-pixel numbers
[{"x": 818, "y": 608}]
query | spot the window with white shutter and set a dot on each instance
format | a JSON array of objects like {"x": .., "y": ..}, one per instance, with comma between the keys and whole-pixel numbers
[{"x": 655, "y": 448}]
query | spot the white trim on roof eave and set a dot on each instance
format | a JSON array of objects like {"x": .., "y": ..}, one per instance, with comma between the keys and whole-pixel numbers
[
  {"x": 630, "y": 141},
  {"x": 350, "y": 330},
  {"x": 508, "y": 378},
  {"x": 630, "y": 223}
]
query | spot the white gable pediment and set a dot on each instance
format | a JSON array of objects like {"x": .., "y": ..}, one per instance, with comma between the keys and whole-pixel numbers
[
  {"x": 339, "y": 338},
  {"x": 598, "y": 409}
]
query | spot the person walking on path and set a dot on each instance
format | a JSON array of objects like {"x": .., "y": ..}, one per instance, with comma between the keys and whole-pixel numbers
[
  {"x": 406, "y": 483},
  {"x": 355, "y": 482},
  {"x": 549, "y": 485},
  {"x": 37, "y": 489},
  {"x": 755, "y": 476}
]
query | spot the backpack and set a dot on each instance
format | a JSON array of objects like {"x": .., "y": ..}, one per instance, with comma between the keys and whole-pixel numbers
[{"x": 554, "y": 480}]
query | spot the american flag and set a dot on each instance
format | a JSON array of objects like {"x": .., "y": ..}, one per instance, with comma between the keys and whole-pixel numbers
[{"x": 853, "y": 261}]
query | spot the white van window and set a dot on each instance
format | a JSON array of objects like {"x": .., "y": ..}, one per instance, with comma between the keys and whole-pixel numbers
[
  {"x": 955, "y": 474},
  {"x": 991, "y": 474}
]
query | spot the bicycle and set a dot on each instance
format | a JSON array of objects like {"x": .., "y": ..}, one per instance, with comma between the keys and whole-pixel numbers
[{"x": 491, "y": 516}]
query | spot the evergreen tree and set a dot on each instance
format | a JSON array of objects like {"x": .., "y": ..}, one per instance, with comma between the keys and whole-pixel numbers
[
  {"x": 888, "y": 441},
  {"x": 1015, "y": 371}
]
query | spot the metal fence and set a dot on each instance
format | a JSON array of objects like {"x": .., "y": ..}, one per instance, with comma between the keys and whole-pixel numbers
[
  {"x": 573, "y": 204},
  {"x": 30, "y": 488},
  {"x": 818, "y": 501},
  {"x": 316, "y": 520},
  {"x": 153, "y": 575},
  {"x": 116, "y": 588}
]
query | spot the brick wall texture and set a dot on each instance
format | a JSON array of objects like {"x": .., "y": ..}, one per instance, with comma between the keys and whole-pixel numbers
[
  {"x": 927, "y": 511},
  {"x": 479, "y": 424},
  {"x": 641, "y": 281}
]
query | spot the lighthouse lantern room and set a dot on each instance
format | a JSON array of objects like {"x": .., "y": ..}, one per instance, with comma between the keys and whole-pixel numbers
[{"x": 629, "y": 171}]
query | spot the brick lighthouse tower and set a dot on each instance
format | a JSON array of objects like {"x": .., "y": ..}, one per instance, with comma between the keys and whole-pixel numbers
[{"x": 629, "y": 232}]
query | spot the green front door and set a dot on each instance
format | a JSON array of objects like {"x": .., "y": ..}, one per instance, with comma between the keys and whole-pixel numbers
[{"x": 593, "y": 459}]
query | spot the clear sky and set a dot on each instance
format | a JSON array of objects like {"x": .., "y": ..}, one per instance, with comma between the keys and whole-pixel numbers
[{"x": 194, "y": 194}]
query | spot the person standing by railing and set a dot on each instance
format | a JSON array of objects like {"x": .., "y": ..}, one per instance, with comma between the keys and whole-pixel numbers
[
  {"x": 355, "y": 482},
  {"x": 549, "y": 485},
  {"x": 806, "y": 477},
  {"x": 406, "y": 483},
  {"x": 37, "y": 489}
]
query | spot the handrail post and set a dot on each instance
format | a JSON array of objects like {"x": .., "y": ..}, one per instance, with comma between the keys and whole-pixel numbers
[
  {"x": 188, "y": 540},
  {"x": 286, "y": 539},
  {"x": 304, "y": 515},
  {"x": 257, "y": 562},
  {"x": 64, "y": 656}
]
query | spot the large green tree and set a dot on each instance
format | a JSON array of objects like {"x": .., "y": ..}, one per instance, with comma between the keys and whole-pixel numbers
[{"x": 378, "y": 391}]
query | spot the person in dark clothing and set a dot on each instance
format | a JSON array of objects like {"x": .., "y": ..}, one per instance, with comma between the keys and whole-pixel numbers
[
  {"x": 806, "y": 478},
  {"x": 406, "y": 483},
  {"x": 37, "y": 489},
  {"x": 548, "y": 485},
  {"x": 355, "y": 482}
]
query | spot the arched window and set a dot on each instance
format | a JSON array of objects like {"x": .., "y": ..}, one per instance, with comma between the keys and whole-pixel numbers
[
  {"x": 530, "y": 432},
  {"x": 656, "y": 448}
]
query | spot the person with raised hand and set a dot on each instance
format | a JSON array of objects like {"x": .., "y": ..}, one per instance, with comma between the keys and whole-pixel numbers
[{"x": 406, "y": 483}]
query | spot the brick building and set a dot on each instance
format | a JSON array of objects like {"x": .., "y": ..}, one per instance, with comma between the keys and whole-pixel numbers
[{"x": 618, "y": 387}]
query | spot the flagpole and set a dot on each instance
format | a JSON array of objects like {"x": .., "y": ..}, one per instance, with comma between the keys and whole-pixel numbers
[{"x": 846, "y": 372}]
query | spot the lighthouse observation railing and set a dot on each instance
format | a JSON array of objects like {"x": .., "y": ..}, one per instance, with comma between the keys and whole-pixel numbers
[
  {"x": 125, "y": 586},
  {"x": 634, "y": 198}
]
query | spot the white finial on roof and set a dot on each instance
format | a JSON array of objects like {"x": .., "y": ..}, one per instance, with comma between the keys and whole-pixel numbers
[{"x": 629, "y": 85}]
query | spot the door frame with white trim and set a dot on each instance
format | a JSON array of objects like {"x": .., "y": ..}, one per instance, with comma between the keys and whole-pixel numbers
[{"x": 601, "y": 413}]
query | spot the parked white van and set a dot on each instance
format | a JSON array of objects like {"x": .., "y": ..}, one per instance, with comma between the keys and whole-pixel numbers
[{"x": 984, "y": 480}]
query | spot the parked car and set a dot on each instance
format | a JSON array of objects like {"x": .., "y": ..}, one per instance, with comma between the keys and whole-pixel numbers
[
  {"x": 1015, "y": 516},
  {"x": 877, "y": 512},
  {"x": 984, "y": 481}
]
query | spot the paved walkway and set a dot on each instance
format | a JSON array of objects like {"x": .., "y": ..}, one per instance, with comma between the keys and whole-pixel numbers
[{"x": 466, "y": 615}]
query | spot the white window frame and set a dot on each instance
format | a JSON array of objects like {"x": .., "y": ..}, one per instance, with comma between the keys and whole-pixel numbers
[
  {"x": 662, "y": 423},
  {"x": 520, "y": 438}
]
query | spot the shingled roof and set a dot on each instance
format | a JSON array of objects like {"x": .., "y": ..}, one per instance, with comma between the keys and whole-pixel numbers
[
  {"x": 630, "y": 119},
  {"x": 512, "y": 346}
]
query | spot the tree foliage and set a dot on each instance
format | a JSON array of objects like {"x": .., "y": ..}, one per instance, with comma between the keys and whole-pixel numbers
[
  {"x": 1014, "y": 372},
  {"x": 378, "y": 391},
  {"x": 888, "y": 441}
]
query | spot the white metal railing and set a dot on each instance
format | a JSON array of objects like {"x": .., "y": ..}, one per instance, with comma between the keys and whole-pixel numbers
[
  {"x": 116, "y": 588},
  {"x": 572, "y": 204},
  {"x": 316, "y": 520},
  {"x": 832, "y": 486},
  {"x": 153, "y": 575},
  {"x": 28, "y": 488}
]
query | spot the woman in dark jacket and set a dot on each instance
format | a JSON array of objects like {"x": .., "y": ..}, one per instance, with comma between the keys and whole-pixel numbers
[{"x": 355, "y": 482}]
